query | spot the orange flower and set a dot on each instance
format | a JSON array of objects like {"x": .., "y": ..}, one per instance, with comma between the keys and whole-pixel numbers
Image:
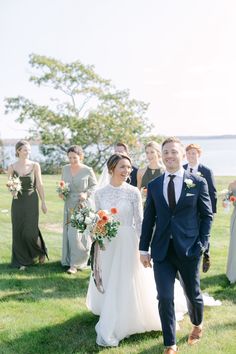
[
  {"x": 101, "y": 222},
  {"x": 105, "y": 218},
  {"x": 232, "y": 198},
  {"x": 114, "y": 211},
  {"x": 101, "y": 213},
  {"x": 100, "y": 228},
  {"x": 62, "y": 184}
]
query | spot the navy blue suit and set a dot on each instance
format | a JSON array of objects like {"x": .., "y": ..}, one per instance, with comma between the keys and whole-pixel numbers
[
  {"x": 178, "y": 241},
  {"x": 208, "y": 175},
  {"x": 133, "y": 177}
]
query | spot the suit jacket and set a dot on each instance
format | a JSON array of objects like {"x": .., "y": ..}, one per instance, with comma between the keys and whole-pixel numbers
[
  {"x": 133, "y": 177},
  {"x": 189, "y": 223},
  {"x": 208, "y": 175}
]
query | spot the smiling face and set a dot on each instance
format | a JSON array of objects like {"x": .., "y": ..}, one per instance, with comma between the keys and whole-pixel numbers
[
  {"x": 193, "y": 156},
  {"x": 121, "y": 171},
  {"x": 74, "y": 158},
  {"x": 172, "y": 156},
  {"x": 152, "y": 154},
  {"x": 24, "y": 151}
]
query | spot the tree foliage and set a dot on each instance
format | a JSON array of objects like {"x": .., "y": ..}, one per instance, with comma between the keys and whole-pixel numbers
[{"x": 86, "y": 110}]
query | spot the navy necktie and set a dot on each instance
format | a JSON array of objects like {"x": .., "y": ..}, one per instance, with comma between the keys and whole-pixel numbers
[
  {"x": 171, "y": 192},
  {"x": 191, "y": 170}
]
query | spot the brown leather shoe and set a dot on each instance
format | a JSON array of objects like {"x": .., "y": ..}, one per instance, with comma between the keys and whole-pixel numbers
[
  {"x": 206, "y": 263},
  {"x": 195, "y": 335},
  {"x": 170, "y": 351}
]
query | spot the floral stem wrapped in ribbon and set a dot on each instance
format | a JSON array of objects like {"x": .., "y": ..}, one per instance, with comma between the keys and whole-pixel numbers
[
  {"x": 63, "y": 189},
  {"x": 14, "y": 186},
  {"x": 100, "y": 226}
]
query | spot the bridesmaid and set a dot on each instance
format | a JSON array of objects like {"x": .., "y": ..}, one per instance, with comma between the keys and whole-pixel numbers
[
  {"x": 28, "y": 246},
  {"x": 231, "y": 263},
  {"x": 155, "y": 167},
  {"x": 82, "y": 183}
]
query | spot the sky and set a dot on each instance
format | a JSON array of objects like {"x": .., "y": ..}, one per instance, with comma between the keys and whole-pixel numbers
[{"x": 177, "y": 55}]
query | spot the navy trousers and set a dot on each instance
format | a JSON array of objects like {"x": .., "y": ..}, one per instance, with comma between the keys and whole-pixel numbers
[{"x": 165, "y": 273}]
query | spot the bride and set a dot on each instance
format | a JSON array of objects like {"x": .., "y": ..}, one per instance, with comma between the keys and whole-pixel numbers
[{"x": 129, "y": 303}]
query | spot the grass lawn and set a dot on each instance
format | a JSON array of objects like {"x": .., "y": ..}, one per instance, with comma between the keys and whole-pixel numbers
[{"x": 43, "y": 309}]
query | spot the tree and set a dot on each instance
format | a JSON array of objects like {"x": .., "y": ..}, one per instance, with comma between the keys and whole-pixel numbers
[{"x": 86, "y": 110}]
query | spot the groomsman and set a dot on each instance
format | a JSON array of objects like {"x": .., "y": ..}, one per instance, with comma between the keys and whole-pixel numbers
[
  {"x": 178, "y": 209},
  {"x": 193, "y": 153}
]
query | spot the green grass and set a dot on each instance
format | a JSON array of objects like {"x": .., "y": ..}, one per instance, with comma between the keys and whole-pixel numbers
[{"x": 42, "y": 310}]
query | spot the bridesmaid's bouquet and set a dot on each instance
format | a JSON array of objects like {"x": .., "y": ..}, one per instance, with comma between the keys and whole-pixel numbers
[
  {"x": 63, "y": 189},
  {"x": 144, "y": 195},
  {"x": 227, "y": 199},
  {"x": 14, "y": 186}
]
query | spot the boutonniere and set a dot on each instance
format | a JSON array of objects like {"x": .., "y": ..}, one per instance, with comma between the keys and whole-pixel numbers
[
  {"x": 189, "y": 183},
  {"x": 199, "y": 174}
]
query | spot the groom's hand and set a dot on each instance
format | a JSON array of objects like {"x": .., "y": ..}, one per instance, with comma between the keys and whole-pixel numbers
[{"x": 146, "y": 260}]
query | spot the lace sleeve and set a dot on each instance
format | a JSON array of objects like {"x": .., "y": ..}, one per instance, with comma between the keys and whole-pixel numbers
[{"x": 138, "y": 212}]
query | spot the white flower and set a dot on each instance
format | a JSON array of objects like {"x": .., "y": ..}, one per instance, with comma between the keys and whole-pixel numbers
[
  {"x": 88, "y": 220},
  {"x": 198, "y": 174},
  {"x": 189, "y": 183}
]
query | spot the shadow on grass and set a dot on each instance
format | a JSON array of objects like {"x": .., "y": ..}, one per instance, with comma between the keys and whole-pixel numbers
[
  {"x": 42, "y": 281},
  {"x": 223, "y": 289},
  {"x": 140, "y": 338},
  {"x": 76, "y": 335}
]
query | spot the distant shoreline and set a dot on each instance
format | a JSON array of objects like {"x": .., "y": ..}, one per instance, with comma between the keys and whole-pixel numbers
[{"x": 185, "y": 137}]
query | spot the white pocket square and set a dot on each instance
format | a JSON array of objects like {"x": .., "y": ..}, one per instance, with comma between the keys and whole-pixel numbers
[{"x": 189, "y": 195}]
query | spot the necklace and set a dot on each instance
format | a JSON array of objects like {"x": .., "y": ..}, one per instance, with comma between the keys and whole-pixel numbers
[{"x": 153, "y": 170}]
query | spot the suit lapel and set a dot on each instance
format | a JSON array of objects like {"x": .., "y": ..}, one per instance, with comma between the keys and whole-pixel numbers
[
  {"x": 183, "y": 191},
  {"x": 161, "y": 194}
]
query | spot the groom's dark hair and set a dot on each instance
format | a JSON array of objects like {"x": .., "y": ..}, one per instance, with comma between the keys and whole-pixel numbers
[{"x": 171, "y": 139}]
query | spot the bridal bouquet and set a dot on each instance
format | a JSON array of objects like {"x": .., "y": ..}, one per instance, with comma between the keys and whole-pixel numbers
[
  {"x": 63, "y": 189},
  {"x": 99, "y": 225},
  {"x": 106, "y": 226},
  {"x": 14, "y": 186}
]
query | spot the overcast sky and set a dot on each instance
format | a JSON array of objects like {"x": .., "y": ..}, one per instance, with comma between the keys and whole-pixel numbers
[{"x": 178, "y": 55}]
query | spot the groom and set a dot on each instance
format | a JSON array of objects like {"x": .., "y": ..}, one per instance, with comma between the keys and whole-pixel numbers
[{"x": 178, "y": 207}]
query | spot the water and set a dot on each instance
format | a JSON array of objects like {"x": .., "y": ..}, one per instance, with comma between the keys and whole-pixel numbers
[
  {"x": 9, "y": 154},
  {"x": 218, "y": 154}
]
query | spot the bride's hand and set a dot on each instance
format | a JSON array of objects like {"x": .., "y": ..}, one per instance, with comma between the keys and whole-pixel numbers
[{"x": 146, "y": 260}]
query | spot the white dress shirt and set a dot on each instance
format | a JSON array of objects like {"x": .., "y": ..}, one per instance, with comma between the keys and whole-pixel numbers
[
  {"x": 178, "y": 183},
  {"x": 194, "y": 169}
]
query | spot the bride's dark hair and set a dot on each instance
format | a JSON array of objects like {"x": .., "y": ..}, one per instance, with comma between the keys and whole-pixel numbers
[{"x": 114, "y": 159}]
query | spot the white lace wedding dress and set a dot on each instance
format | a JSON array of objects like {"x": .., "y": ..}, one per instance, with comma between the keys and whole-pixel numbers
[{"x": 129, "y": 304}]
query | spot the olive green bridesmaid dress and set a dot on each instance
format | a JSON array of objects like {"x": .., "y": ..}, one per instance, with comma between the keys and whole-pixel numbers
[{"x": 27, "y": 242}]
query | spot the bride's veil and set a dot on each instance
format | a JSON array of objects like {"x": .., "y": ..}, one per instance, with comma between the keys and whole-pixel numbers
[{"x": 104, "y": 179}]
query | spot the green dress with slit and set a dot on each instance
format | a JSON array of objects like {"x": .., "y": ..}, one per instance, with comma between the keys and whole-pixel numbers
[{"x": 27, "y": 242}]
